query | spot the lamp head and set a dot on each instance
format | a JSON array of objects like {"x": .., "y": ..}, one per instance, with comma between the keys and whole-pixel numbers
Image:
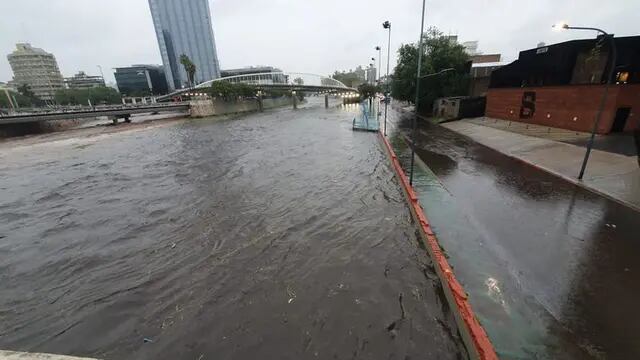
[
  {"x": 560, "y": 26},
  {"x": 377, "y": 47},
  {"x": 386, "y": 25}
]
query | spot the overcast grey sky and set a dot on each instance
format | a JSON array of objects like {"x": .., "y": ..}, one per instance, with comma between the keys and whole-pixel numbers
[{"x": 317, "y": 36}]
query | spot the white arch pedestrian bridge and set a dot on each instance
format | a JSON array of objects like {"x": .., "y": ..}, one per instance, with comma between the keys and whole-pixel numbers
[{"x": 291, "y": 81}]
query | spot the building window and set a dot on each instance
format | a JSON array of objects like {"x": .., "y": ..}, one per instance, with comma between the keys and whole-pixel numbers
[{"x": 622, "y": 77}]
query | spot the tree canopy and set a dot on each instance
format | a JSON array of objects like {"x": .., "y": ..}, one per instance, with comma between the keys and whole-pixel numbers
[
  {"x": 439, "y": 53},
  {"x": 25, "y": 91},
  {"x": 349, "y": 78},
  {"x": 22, "y": 100},
  {"x": 97, "y": 95},
  {"x": 231, "y": 91},
  {"x": 368, "y": 90}
]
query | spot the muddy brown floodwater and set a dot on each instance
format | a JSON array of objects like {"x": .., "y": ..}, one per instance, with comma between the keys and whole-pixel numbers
[{"x": 281, "y": 235}]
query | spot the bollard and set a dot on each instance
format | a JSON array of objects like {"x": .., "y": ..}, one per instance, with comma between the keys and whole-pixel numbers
[
  {"x": 326, "y": 101},
  {"x": 295, "y": 101}
]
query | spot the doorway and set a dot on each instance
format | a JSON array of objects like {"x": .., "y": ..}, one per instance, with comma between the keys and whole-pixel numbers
[{"x": 619, "y": 122}]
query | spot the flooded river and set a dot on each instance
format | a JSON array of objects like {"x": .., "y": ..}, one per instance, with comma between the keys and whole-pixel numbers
[{"x": 280, "y": 235}]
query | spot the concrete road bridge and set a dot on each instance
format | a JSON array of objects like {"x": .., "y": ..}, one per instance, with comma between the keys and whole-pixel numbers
[
  {"x": 112, "y": 111},
  {"x": 290, "y": 81}
]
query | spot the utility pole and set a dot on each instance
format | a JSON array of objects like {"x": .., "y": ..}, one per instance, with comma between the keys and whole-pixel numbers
[
  {"x": 387, "y": 25},
  {"x": 415, "y": 117}
]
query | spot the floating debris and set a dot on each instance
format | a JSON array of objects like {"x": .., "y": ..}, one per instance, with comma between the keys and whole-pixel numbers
[{"x": 291, "y": 294}]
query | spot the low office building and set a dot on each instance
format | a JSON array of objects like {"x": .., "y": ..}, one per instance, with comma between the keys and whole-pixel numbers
[
  {"x": 561, "y": 85},
  {"x": 371, "y": 75},
  {"x": 83, "y": 81},
  {"x": 482, "y": 65},
  {"x": 37, "y": 69},
  {"x": 260, "y": 74},
  {"x": 141, "y": 80}
]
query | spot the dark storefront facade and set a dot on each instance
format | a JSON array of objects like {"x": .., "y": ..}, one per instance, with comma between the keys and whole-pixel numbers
[{"x": 561, "y": 85}]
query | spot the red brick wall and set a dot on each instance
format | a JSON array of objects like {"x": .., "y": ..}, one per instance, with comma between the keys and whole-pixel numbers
[{"x": 570, "y": 107}]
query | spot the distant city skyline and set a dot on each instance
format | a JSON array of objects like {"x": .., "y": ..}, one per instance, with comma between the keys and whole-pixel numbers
[{"x": 304, "y": 36}]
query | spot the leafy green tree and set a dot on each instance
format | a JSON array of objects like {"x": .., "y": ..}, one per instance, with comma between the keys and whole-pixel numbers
[
  {"x": 350, "y": 79},
  {"x": 25, "y": 91},
  {"x": 439, "y": 53},
  {"x": 245, "y": 90},
  {"x": 230, "y": 91},
  {"x": 189, "y": 67},
  {"x": 368, "y": 90},
  {"x": 22, "y": 100},
  {"x": 97, "y": 95}
]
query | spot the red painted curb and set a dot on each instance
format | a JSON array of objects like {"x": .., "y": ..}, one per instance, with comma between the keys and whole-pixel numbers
[{"x": 473, "y": 334}]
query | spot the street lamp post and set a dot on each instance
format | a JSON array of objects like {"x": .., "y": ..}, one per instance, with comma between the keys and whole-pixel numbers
[
  {"x": 415, "y": 117},
  {"x": 603, "y": 100},
  {"x": 102, "y": 74},
  {"x": 379, "y": 56},
  {"x": 387, "y": 25},
  {"x": 413, "y": 146}
]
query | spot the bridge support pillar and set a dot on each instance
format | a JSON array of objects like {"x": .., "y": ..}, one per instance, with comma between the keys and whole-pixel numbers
[
  {"x": 260, "y": 103},
  {"x": 326, "y": 101}
]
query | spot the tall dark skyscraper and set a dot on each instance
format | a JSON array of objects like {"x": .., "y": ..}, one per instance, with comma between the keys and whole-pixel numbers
[{"x": 185, "y": 27}]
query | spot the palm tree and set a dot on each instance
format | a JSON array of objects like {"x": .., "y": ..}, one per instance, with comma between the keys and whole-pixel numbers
[{"x": 189, "y": 67}]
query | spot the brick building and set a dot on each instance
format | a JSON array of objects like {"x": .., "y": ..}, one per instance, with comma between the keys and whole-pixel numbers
[{"x": 561, "y": 85}]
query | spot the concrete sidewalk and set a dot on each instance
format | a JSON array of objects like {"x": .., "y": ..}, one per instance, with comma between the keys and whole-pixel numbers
[{"x": 612, "y": 175}]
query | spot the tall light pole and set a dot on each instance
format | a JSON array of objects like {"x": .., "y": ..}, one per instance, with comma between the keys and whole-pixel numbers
[
  {"x": 379, "y": 56},
  {"x": 415, "y": 117},
  {"x": 387, "y": 25},
  {"x": 373, "y": 66},
  {"x": 102, "y": 74},
  {"x": 413, "y": 146},
  {"x": 612, "y": 66}
]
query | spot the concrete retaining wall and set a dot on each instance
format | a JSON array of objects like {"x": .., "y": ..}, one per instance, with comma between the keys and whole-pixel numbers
[
  {"x": 10, "y": 130},
  {"x": 213, "y": 107}
]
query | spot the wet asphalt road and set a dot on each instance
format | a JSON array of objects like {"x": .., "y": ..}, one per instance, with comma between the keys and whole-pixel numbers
[
  {"x": 280, "y": 235},
  {"x": 553, "y": 270}
]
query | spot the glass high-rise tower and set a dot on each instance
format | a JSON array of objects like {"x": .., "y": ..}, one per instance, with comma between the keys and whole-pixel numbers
[{"x": 185, "y": 27}]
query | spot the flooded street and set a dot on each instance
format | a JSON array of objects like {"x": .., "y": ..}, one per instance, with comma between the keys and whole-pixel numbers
[
  {"x": 551, "y": 269},
  {"x": 278, "y": 235}
]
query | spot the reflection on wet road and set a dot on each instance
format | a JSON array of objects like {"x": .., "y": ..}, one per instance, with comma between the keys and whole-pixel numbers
[
  {"x": 276, "y": 235},
  {"x": 552, "y": 269}
]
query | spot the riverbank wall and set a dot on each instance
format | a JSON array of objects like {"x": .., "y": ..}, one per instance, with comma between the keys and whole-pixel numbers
[
  {"x": 214, "y": 107},
  {"x": 12, "y": 130}
]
